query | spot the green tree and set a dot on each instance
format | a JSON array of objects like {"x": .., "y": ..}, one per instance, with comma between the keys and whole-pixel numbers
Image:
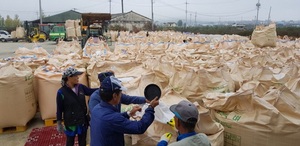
[
  {"x": 16, "y": 21},
  {"x": 8, "y": 21},
  {"x": 179, "y": 23},
  {"x": 1, "y": 21}
]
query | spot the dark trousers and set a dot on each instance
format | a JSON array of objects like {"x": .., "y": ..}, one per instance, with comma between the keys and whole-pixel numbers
[{"x": 81, "y": 139}]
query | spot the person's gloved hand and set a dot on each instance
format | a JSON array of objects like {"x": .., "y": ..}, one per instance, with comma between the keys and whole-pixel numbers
[
  {"x": 172, "y": 123},
  {"x": 166, "y": 137},
  {"x": 60, "y": 127}
]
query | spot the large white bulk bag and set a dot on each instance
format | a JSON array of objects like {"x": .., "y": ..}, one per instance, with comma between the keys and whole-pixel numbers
[
  {"x": 264, "y": 36},
  {"x": 17, "y": 101}
]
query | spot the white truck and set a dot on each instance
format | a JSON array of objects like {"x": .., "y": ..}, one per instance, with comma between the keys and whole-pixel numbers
[{"x": 5, "y": 36}]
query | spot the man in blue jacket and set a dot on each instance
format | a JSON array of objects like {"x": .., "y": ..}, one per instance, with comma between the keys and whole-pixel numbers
[
  {"x": 108, "y": 125},
  {"x": 125, "y": 99}
]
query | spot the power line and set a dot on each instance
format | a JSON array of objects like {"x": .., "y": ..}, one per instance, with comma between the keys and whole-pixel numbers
[
  {"x": 215, "y": 3},
  {"x": 229, "y": 14},
  {"x": 166, "y": 16},
  {"x": 142, "y": 5},
  {"x": 208, "y": 15},
  {"x": 17, "y": 11}
]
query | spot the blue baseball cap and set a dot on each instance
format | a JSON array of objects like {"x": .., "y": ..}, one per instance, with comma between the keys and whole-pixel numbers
[
  {"x": 103, "y": 75},
  {"x": 111, "y": 84}
]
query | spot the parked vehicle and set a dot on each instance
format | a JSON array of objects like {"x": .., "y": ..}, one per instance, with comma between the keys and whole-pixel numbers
[
  {"x": 5, "y": 36},
  {"x": 59, "y": 32},
  {"x": 90, "y": 25},
  {"x": 29, "y": 33}
]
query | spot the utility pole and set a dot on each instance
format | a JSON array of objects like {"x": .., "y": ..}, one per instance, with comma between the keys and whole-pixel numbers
[
  {"x": 109, "y": 6},
  {"x": 269, "y": 18},
  {"x": 122, "y": 7},
  {"x": 186, "y": 13},
  {"x": 152, "y": 24},
  {"x": 257, "y": 5},
  {"x": 41, "y": 21},
  {"x": 190, "y": 19},
  {"x": 195, "y": 18}
]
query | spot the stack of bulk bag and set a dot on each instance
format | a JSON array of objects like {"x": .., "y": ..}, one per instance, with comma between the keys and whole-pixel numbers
[
  {"x": 119, "y": 67},
  {"x": 67, "y": 48},
  {"x": 77, "y": 28},
  {"x": 248, "y": 119},
  {"x": 20, "y": 32},
  {"x": 17, "y": 102},
  {"x": 32, "y": 57},
  {"x": 114, "y": 35},
  {"x": 95, "y": 47},
  {"x": 264, "y": 36},
  {"x": 73, "y": 29},
  {"x": 13, "y": 34}
]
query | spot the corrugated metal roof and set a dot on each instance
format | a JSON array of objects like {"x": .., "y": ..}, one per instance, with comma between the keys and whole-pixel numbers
[{"x": 61, "y": 17}]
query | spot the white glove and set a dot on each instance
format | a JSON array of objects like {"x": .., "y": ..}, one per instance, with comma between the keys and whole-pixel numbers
[
  {"x": 166, "y": 137},
  {"x": 60, "y": 127}
]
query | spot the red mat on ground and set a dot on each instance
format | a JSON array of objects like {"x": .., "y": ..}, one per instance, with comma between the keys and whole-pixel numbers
[{"x": 46, "y": 136}]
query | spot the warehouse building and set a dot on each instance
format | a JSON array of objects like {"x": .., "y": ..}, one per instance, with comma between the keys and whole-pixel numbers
[{"x": 127, "y": 20}]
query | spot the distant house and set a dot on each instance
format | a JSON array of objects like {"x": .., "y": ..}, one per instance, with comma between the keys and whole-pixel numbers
[
  {"x": 239, "y": 26},
  {"x": 129, "y": 20},
  {"x": 170, "y": 24}
]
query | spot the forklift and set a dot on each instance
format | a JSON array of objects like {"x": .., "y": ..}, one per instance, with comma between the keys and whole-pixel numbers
[
  {"x": 36, "y": 35},
  {"x": 94, "y": 25},
  {"x": 32, "y": 34}
]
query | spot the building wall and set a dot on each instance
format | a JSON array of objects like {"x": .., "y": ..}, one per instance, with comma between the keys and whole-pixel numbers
[
  {"x": 130, "y": 19},
  {"x": 129, "y": 25}
]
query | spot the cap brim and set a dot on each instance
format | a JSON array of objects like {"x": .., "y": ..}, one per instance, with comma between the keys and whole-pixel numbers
[
  {"x": 123, "y": 88},
  {"x": 78, "y": 73},
  {"x": 172, "y": 109}
]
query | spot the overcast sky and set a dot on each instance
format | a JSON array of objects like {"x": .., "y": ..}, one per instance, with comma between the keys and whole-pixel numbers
[{"x": 164, "y": 10}]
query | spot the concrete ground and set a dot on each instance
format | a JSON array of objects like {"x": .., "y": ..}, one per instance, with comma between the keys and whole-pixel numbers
[
  {"x": 19, "y": 138},
  {"x": 7, "y": 49}
]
